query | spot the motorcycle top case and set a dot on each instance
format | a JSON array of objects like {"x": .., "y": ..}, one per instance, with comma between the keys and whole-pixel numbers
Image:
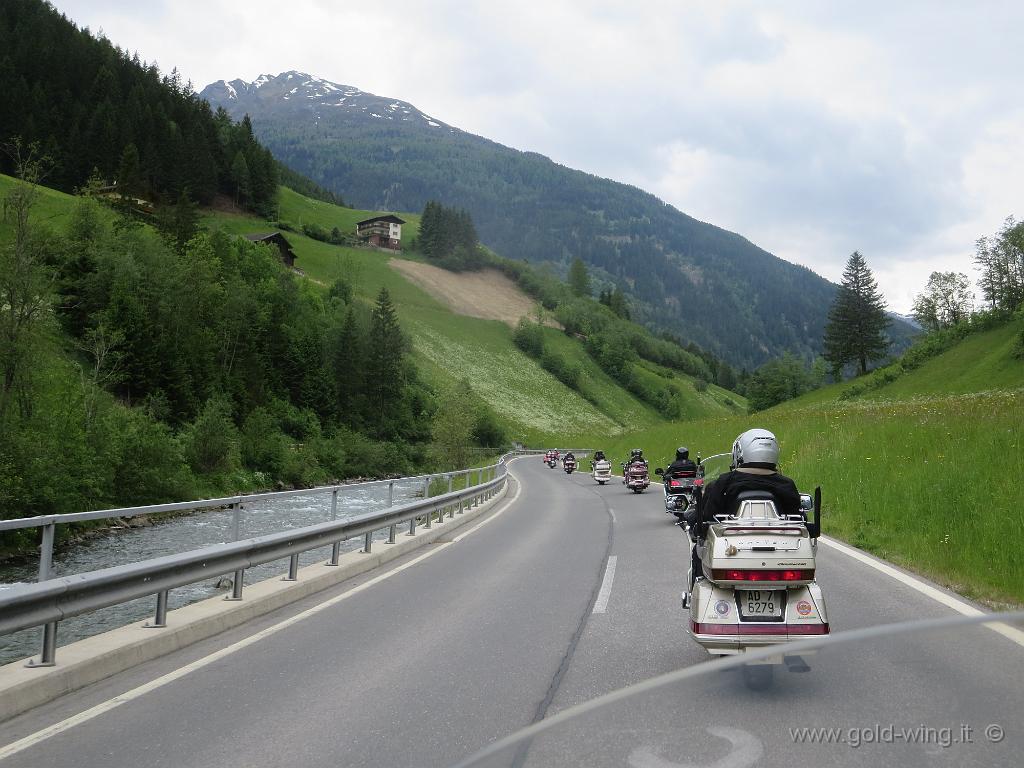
[{"x": 759, "y": 549}]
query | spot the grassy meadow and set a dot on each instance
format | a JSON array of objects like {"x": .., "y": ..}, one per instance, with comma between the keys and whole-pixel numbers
[{"x": 926, "y": 472}]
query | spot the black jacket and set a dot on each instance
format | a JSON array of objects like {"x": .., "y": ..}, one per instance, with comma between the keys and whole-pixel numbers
[
  {"x": 720, "y": 498},
  {"x": 685, "y": 466}
]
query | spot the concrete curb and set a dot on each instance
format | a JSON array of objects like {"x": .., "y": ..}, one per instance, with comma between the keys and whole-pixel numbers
[{"x": 96, "y": 658}]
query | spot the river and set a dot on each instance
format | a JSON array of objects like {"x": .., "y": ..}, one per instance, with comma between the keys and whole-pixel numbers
[{"x": 182, "y": 534}]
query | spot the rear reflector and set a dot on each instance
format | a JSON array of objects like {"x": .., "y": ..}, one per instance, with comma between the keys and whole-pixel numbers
[{"x": 759, "y": 629}]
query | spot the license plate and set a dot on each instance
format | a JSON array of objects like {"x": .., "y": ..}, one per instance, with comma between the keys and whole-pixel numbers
[{"x": 761, "y": 603}]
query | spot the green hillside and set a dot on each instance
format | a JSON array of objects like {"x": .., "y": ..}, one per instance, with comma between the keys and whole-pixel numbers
[
  {"x": 533, "y": 404},
  {"x": 926, "y": 472},
  {"x": 981, "y": 361},
  {"x": 52, "y": 209},
  {"x": 298, "y": 210}
]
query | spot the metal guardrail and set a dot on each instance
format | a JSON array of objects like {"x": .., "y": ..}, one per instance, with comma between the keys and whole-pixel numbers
[{"x": 49, "y": 601}]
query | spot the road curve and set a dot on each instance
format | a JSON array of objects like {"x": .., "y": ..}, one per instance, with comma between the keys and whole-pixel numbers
[{"x": 465, "y": 646}]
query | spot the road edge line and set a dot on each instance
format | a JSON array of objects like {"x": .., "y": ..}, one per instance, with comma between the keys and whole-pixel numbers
[{"x": 939, "y": 596}]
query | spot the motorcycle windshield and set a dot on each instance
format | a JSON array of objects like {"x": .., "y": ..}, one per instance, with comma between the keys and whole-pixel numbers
[
  {"x": 713, "y": 466},
  {"x": 943, "y": 691}
]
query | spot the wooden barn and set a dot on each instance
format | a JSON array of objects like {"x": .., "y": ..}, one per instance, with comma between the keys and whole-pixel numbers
[
  {"x": 381, "y": 231},
  {"x": 276, "y": 238}
]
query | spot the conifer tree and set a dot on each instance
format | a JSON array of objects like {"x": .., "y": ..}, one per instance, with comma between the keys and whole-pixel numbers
[
  {"x": 385, "y": 364},
  {"x": 579, "y": 280},
  {"x": 241, "y": 178},
  {"x": 429, "y": 239},
  {"x": 855, "y": 332},
  {"x": 348, "y": 368}
]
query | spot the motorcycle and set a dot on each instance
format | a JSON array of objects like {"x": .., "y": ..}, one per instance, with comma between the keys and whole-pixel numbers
[
  {"x": 552, "y": 462},
  {"x": 679, "y": 492},
  {"x": 601, "y": 471},
  {"x": 757, "y": 582},
  {"x": 569, "y": 465},
  {"x": 635, "y": 477}
]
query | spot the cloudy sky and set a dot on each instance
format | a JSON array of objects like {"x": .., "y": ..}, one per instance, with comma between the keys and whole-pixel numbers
[{"x": 812, "y": 128}]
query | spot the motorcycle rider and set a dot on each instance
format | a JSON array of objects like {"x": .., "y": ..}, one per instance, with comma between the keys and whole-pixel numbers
[
  {"x": 683, "y": 466},
  {"x": 569, "y": 456},
  {"x": 636, "y": 456},
  {"x": 755, "y": 458}
]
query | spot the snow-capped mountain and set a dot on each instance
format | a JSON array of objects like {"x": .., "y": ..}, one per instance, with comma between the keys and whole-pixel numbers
[
  {"x": 384, "y": 154},
  {"x": 298, "y": 92}
]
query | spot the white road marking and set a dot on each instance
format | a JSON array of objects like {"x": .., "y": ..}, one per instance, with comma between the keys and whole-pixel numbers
[
  {"x": 1012, "y": 633},
  {"x": 42, "y": 735},
  {"x": 482, "y": 523},
  {"x": 601, "y": 604}
]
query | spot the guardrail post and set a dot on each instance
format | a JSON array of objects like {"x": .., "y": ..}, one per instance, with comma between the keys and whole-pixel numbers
[
  {"x": 391, "y": 534},
  {"x": 426, "y": 495},
  {"x": 236, "y": 521},
  {"x": 335, "y": 553},
  {"x": 160, "y": 619},
  {"x": 412, "y": 526},
  {"x": 48, "y": 637},
  {"x": 368, "y": 542},
  {"x": 293, "y": 569},
  {"x": 237, "y": 585},
  {"x": 451, "y": 507}
]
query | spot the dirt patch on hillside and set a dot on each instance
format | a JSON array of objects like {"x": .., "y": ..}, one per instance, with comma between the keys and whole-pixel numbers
[{"x": 487, "y": 294}]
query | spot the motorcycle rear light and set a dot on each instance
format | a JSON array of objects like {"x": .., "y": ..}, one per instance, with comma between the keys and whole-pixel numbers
[
  {"x": 759, "y": 629},
  {"x": 730, "y": 574},
  {"x": 675, "y": 483}
]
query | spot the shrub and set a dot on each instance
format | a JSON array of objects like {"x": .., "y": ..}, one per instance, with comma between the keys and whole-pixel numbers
[
  {"x": 529, "y": 337},
  {"x": 565, "y": 372},
  {"x": 211, "y": 442},
  {"x": 262, "y": 445}
]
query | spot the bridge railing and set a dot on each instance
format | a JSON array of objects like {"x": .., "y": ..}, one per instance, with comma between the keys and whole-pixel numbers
[{"x": 50, "y": 600}]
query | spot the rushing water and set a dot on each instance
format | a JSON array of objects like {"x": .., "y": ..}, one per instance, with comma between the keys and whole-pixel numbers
[{"x": 182, "y": 534}]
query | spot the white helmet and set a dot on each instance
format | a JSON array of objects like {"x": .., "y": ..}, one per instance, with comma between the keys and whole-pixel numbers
[{"x": 755, "y": 446}]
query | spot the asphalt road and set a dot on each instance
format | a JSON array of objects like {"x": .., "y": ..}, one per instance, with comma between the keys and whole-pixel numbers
[{"x": 460, "y": 648}]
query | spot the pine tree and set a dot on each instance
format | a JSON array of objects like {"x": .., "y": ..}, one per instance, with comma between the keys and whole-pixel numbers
[
  {"x": 129, "y": 174},
  {"x": 240, "y": 177},
  {"x": 348, "y": 368},
  {"x": 385, "y": 364},
  {"x": 179, "y": 223},
  {"x": 579, "y": 280},
  {"x": 855, "y": 332},
  {"x": 429, "y": 239}
]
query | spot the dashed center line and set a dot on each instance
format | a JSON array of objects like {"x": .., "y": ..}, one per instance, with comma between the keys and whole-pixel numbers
[{"x": 601, "y": 604}]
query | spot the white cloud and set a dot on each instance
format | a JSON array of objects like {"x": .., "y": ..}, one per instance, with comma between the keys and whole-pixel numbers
[{"x": 813, "y": 129}]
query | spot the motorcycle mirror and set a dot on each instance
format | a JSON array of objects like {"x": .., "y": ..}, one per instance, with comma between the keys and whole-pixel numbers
[
  {"x": 814, "y": 528},
  {"x": 659, "y": 471}
]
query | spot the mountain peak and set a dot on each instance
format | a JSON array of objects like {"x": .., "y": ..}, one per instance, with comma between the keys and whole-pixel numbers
[{"x": 295, "y": 91}]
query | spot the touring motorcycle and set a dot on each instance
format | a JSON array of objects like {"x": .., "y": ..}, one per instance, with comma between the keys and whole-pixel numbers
[
  {"x": 601, "y": 471},
  {"x": 635, "y": 477},
  {"x": 679, "y": 492},
  {"x": 757, "y": 583}
]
